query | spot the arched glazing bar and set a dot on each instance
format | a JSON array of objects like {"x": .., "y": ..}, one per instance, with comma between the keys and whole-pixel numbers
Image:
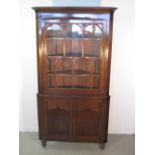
[{"x": 93, "y": 30}]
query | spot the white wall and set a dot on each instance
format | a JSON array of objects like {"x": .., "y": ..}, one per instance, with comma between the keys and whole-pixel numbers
[{"x": 122, "y": 85}]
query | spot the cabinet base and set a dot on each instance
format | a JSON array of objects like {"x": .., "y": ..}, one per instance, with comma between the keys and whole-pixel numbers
[{"x": 101, "y": 145}]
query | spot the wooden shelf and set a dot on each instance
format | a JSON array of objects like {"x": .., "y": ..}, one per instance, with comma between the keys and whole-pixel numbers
[
  {"x": 75, "y": 73},
  {"x": 95, "y": 38},
  {"x": 73, "y": 56},
  {"x": 75, "y": 87}
]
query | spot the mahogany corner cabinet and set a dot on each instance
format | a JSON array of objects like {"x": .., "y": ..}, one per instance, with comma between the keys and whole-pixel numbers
[{"x": 74, "y": 55}]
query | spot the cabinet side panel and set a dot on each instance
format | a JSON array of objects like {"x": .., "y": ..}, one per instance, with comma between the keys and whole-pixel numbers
[
  {"x": 41, "y": 118},
  {"x": 110, "y": 50},
  {"x": 107, "y": 105},
  {"x": 39, "y": 52},
  {"x": 39, "y": 115}
]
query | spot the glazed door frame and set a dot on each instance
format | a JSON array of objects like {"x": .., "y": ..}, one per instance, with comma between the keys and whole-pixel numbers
[{"x": 42, "y": 57}]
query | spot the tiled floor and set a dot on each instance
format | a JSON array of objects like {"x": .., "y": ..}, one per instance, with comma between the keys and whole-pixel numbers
[{"x": 117, "y": 145}]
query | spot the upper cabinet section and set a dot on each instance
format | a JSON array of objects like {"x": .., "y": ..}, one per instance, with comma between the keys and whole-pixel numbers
[{"x": 74, "y": 46}]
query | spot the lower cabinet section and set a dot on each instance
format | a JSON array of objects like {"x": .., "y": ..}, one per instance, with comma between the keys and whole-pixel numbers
[{"x": 73, "y": 118}]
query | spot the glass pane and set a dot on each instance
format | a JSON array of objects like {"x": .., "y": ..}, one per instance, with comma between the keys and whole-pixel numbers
[
  {"x": 73, "y": 47},
  {"x": 55, "y": 30},
  {"x": 92, "y": 65},
  {"x": 85, "y": 81},
  {"x": 55, "y": 39},
  {"x": 54, "y": 47},
  {"x": 92, "y": 31},
  {"x": 91, "y": 47},
  {"x": 64, "y": 81},
  {"x": 67, "y": 65},
  {"x": 79, "y": 66},
  {"x": 92, "y": 40},
  {"x": 56, "y": 65},
  {"x": 74, "y": 31}
]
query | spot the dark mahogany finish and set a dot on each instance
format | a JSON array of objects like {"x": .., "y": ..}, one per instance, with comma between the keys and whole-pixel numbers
[{"x": 74, "y": 56}]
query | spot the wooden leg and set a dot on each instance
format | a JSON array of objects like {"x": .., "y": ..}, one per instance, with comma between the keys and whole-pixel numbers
[
  {"x": 43, "y": 143},
  {"x": 101, "y": 146}
]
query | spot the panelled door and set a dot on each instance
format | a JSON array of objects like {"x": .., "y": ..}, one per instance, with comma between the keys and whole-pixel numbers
[
  {"x": 58, "y": 118},
  {"x": 88, "y": 114}
]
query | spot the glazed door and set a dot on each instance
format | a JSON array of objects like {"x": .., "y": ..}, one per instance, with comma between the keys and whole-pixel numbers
[{"x": 73, "y": 56}]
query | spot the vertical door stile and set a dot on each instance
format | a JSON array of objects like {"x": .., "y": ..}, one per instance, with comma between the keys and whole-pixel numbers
[
  {"x": 45, "y": 109},
  {"x": 102, "y": 121},
  {"x": 71, "y": 117},
  {"x": 82, "y": 48},
  {"x": 100, "y": 129},
  {"x": 64, "y": 41}
]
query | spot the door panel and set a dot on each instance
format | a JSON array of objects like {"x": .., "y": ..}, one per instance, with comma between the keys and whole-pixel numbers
[
  {"x": 59, "y": 118},
  {"x": 87, "y": 116}
]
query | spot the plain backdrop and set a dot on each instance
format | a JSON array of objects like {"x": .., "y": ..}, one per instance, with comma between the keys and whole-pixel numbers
[{"x": 121, "y": 118}]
